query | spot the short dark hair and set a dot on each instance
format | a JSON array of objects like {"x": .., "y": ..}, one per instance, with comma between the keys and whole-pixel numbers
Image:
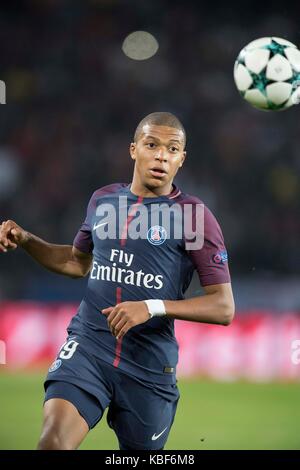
[{"x": 160, "y": 119}]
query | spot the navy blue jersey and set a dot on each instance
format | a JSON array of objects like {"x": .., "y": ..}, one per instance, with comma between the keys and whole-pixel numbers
[{"x": 152, "y": 266}]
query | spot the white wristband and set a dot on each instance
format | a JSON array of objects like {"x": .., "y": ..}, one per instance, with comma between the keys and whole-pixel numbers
[{"x": 156, "y": 307}]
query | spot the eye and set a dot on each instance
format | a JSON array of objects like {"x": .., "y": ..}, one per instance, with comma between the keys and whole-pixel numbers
[
  {"x": 151, "y": 145},
  {"x": 174, "y": 149}
]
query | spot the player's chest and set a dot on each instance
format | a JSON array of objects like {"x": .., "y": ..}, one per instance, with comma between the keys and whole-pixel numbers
[{"x": 152, "y": 229}]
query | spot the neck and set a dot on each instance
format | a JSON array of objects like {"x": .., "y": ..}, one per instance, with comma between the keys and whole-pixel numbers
[{"x": 139, "y": 189}]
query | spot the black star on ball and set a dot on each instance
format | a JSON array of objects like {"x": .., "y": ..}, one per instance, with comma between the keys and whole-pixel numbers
[{"x": 275, "y": 48}]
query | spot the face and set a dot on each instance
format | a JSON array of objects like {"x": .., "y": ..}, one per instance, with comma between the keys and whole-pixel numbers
[{"x": 158, "y": 154}]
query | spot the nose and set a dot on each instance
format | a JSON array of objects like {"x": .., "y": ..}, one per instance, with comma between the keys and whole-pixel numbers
[{"x": 161, "y": 155}]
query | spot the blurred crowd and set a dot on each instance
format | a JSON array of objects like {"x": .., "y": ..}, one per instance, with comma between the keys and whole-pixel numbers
[{"x": 74, "y": 100}]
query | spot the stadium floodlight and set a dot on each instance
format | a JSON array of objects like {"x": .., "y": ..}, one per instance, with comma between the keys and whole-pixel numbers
[{"x": 140, "y": 45}]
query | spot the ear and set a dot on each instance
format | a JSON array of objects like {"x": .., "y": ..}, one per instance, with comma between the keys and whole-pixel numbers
[
  {"x": 132, "y": 149},
  {"x": 183, "y": 158}
]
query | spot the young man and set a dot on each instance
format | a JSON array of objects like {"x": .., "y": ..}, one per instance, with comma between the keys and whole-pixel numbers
[{"x": 120, "y": 351}]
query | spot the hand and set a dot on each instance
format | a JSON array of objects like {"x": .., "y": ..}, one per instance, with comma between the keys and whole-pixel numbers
[
  {"x": 124, "y": 316},
  {"x": 11, "y": 236}
]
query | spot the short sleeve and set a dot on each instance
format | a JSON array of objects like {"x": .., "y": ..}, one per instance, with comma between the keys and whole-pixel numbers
[
  {"x": 211, "y": 261},
  {"x": 83, "y": 240}
]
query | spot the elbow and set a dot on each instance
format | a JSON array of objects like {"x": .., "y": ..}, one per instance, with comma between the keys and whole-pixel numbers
[
  {"x": 79, "y": 272},
  {"x": 228, "y": 312}
]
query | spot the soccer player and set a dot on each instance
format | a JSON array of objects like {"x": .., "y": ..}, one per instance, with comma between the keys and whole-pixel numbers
[{"x": 120, "y": 351}]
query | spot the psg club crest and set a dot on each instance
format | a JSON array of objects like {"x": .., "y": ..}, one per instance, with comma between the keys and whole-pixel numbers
[
  {"x": 156, "y": 235},
  {"x": 55, "y": 365}
]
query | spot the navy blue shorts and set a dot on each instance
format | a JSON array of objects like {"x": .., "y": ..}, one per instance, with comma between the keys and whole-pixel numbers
[{"x": 141, "y": 413}]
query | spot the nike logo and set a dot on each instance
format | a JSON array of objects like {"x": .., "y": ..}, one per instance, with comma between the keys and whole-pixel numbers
[
  {"x": 154, "y": 437},
  {"x": 99, "y": 225}
]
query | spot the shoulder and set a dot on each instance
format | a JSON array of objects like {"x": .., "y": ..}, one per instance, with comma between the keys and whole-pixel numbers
[
  {"x": 210, "y": 219},
  {"x": 106, "y": 190},
  {"x": 185, "y": 198},
  {"x": 109, "y": 189}
]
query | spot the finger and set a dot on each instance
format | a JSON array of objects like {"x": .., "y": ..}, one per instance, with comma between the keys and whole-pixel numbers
[
  {"x": 2, "y": 248},
  {"x": 9, "y": 248},
  {"x": 108, "y": 319},
  {"x": 123, "y": 331},
  {"x": 110, "y": 313},
  {"x": 106, "y": 311},
  {"x": 117, "y": 329},
  {"x": 113, "y": 313},
  {"x": 117, "y": 324},
  {"x": 11, "y": 244},
  {"x": 6, "y": 231},
  {"x": 7, "y": 225},
  {"x": 15, "y": 232},
  {"x": 115, "y": 318},
  {"x": 4, "y": 239}
]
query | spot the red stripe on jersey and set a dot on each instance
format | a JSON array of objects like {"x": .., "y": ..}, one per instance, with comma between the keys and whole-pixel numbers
[
  {"x": 130, "y": 216},
  {"x": 119, "y": 341}
]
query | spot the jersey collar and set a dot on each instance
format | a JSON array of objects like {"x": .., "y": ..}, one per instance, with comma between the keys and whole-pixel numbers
[{"x": 173, "y": 194}]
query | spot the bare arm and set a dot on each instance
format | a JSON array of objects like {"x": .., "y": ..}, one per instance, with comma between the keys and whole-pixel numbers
[
  {"x": 216, "y": 306},
  {"x": 61, "y": 259}
]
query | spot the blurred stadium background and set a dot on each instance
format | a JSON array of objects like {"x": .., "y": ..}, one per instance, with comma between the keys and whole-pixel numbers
[{"x": 73, "y": 101}]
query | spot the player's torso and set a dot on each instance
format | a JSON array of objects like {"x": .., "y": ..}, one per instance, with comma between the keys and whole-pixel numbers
[
  {"x": 138, "y": 253},
  {"x": 143, "y": 248},
  {"x": 138, "y": 248}
]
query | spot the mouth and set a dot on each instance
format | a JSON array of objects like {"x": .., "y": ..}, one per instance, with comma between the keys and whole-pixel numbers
[{"x": 158, "y": 172}]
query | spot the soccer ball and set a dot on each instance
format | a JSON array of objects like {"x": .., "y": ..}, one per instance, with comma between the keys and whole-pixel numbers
[{"x": 267, "y": 73}]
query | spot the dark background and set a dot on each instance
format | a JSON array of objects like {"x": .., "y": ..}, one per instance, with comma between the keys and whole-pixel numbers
[{"x": 74, "y": 100}]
